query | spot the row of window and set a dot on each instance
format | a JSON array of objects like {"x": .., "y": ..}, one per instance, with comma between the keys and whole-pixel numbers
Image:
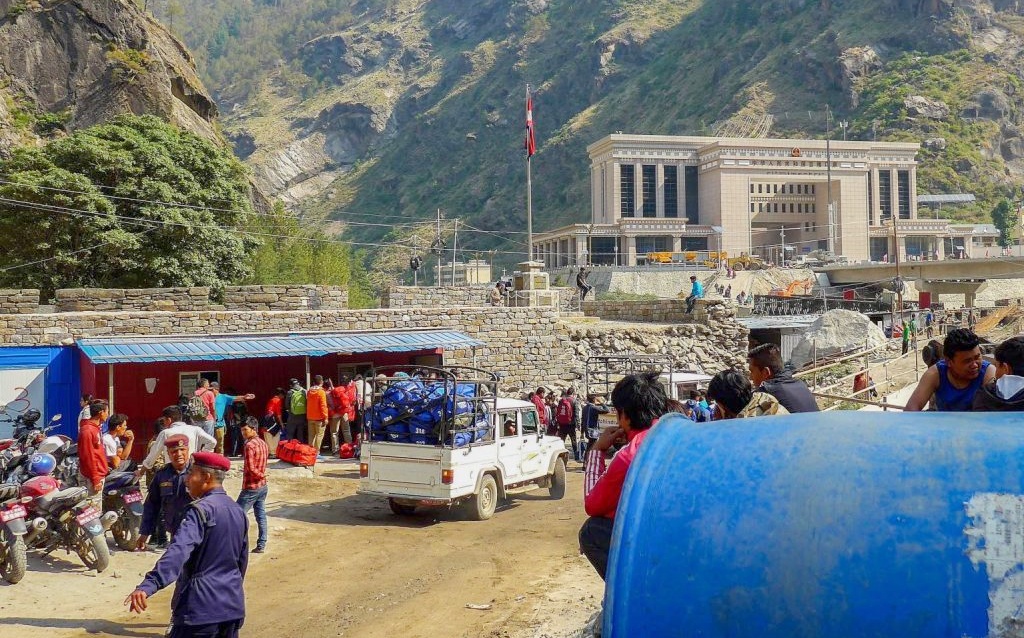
[
  {"x": 775, "y": 207},
  {"x": 774, "y": 189},
  {"x": 648, "y": 191}
]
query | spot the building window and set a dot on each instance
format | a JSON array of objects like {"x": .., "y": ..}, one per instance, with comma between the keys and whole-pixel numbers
[
  {"x": 752, "y": 207},
  {"x": 776, "y": 208},
  {"x": 653, "y": 244},
  {"x": 760, "y": 208},
  {"x": 751, "y": 189},
  {"x": 814, "y": 208},
  {"x": 903, "y": 193},
  {"x": 672, "y": 191},
  {"x": 692, "y": 194},
  {"x": 759, "y": 187},
  {"x": 871, "y": 200},
  {"x": 649, "y": 175},
  {"x": 813, "y": 189},
  {"x": 885, "y": 194},
  {"x": 627, "y": 187},
  {"x": 775, "y": 189},
  {"x": 695, "y": 243}
]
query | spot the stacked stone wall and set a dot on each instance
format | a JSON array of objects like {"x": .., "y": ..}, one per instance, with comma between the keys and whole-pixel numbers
[
  {"x": 458, "y": 297},
  {"x": 15, "y": 302},
  {"x": 297, "y": 297},
  {"x": 132, "y": 299},
  {"x": 660, "y": 310}
]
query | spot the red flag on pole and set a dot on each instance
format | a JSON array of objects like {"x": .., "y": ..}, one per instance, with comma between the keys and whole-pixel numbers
[{"x": 531, "y": 142}]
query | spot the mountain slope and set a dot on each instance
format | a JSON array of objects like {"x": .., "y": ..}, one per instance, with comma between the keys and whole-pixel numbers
[
  {"x": 393, "y": 108},
  {"x": 71, "y": 64}
]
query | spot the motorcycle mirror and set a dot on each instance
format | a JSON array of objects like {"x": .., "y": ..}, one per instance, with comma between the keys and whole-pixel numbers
[{"x": 56, "y": 417}]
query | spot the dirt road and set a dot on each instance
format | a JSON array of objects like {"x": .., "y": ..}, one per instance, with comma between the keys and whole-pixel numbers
[{"x": 339, "y": 564}]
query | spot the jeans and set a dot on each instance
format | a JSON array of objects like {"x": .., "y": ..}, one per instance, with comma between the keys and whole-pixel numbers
[
  {"x": 208, "y": 426},
  {"x": 691, "y": 301},
  {"x": 257, "y": 501},
  {"x": 569, "y": 431},
  {"x": 596, "y": 541}
]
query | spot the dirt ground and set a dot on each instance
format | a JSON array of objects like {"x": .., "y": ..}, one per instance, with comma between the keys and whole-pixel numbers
[{"x": 340, "y": 564}]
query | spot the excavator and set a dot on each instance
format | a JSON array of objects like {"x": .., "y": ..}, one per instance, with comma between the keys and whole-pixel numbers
[{"x": 790, "y": 290}]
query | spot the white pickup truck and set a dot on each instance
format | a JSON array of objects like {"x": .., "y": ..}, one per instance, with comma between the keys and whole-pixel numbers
[{"x": 515, "y": 457}]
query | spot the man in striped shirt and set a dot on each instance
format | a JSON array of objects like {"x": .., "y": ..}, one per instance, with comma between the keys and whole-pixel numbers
[{"x": 254, "y": 480}]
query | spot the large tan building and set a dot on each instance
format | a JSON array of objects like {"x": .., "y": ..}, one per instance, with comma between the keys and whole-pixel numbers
[{"x": 652, "y": 193}]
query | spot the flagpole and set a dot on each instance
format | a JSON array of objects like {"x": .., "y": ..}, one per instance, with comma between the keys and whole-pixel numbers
[{"x": 529, "y": 197}]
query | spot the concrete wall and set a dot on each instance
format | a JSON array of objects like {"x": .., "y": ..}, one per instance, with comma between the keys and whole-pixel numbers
[{"x": 19, "y": 301}]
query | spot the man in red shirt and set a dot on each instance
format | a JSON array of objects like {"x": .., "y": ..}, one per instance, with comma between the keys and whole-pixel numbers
[
  {"x": 639, "y": 400},
  {"x": 542, "y": 409},
  {"x": 254, "y": 480},
  {"x": 92, "y": 459}
]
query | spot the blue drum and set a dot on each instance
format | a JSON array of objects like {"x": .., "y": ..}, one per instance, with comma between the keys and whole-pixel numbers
[{"x": 851, "y": 525}]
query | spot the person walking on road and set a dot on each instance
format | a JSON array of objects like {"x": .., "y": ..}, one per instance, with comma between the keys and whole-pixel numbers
[
  {"x": 207, "y": 559},
  {"x": 167, "y": 498},
  {"x": 254, "y": 481}
]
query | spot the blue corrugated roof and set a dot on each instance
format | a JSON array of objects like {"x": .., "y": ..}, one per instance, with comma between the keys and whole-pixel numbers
[{"x": 155, "y": 348}]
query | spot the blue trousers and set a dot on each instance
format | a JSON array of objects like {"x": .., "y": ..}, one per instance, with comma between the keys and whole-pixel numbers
[
  {"x": 216, "y": 630},
  {"x": 257, "y": 501}
]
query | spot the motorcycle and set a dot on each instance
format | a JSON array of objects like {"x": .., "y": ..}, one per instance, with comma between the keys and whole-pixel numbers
[
  {"x": 28, "y": 439},
  {"x": 122, "y": 495},
  {"x": 66, "y": 518},
  {"x": 13, "y": 558}
]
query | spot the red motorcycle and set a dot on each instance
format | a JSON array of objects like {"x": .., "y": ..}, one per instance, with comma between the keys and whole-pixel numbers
[
  {"x": 66, "y": 519},
  {"x": 13, "y": 559}
]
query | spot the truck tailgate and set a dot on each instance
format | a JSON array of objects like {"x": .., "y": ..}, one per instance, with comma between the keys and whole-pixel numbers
[{"x": 397, "y": 468}]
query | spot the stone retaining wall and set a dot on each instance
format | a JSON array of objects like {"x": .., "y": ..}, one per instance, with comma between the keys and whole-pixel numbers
[
  {"x": 659, "y": 310},
  {"x": 304, "y": 297},
  {"x": 455, "y": 297},
  {"x": 15, "y": 302},
  {"x": 140, "y": 299},
  {"x": 527, "y": 345}
]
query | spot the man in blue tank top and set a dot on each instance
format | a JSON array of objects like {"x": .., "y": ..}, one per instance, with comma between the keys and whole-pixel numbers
[{"x": 954, "y": 379}]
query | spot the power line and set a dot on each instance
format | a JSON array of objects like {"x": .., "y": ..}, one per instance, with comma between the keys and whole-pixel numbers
[{"x": 83, "y": 250}]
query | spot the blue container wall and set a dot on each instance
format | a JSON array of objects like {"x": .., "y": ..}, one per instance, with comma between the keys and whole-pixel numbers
[
  {"x": 848, "y": 525},
  {"x": 61, "y": 380}
]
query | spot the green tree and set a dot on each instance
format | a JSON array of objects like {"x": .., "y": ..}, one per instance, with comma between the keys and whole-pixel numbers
[
  {"x": 1004, "y": 219},
  {"x": 294, "y": 252},
  {"x": 132, "y": 203}
]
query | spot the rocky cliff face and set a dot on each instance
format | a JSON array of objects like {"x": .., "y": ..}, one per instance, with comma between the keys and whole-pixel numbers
[{"x": 75, "y": 63}]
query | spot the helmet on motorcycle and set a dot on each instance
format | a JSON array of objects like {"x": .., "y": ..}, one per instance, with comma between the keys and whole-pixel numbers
[
  {"x": 31, "y": 416},
  {"x": 346, "y": 451},
  {"x": 41, "y": 464}
]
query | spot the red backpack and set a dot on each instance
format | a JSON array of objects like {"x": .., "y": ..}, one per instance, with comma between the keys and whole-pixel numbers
[{"x": 564, "y": 415}]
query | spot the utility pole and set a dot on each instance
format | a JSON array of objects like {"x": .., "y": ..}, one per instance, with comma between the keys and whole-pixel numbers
[
  {"x": 455, "y": 248},
  {"x": 898, "y": 283},
  {"x": 438, "y": 248},
  {"x": 782, "y": 233},
  {"x": 828, "y": 162}
]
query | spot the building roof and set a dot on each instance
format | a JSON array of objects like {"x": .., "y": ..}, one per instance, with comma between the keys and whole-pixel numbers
[
  {"x": 948, "y": 198},
  {"x": 206, "y": 348},
  {"x": 976, "y": 229}
]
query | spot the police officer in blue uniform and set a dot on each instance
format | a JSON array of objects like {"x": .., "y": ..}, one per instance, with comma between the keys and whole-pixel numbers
[
  {"x": 167, "y": 497},
  {"x": 207, "y": 557}
]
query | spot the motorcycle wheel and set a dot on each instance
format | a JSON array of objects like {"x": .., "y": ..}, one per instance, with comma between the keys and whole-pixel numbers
[
  {"x": 125, "y": 530},
  {"x": 92, "y": 550},
  {"x": 13, "y": 556}
]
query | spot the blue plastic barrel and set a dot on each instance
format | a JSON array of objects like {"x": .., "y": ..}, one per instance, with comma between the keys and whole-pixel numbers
[{"x": 823, "y": 525}]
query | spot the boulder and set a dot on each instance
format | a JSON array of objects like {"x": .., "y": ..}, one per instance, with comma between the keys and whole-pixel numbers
[
  {"x": 921, "y": 106},
  {"x": 855, "y": 64},
  {"x": 834, "y": 333},
  {"x": 935, "y": 143}
]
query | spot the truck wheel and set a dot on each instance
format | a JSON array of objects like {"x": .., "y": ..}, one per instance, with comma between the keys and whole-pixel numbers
[
  {"x": 482, "y": 504},
  {"x": 557, "y": 488},
  {"x": 400, "y": 509}
]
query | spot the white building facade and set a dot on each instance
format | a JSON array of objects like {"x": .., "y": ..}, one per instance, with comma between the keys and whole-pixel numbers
[{"x": 765, "y": 197}]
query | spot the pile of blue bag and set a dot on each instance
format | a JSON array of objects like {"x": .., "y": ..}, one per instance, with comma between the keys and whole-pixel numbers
[{"x": 427, "y": 412}]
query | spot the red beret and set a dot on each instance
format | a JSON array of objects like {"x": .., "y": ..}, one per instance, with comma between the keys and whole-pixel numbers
[
  {"x": 211, "y": 460},
  {"x": 176, "y": 441}
]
